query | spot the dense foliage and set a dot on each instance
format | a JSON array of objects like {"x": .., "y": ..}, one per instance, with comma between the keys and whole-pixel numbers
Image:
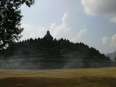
[{"x": 10, "y": 17}]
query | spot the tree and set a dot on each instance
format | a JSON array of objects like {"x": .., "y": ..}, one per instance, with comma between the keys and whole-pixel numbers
[{"x": 10, "y": 18}]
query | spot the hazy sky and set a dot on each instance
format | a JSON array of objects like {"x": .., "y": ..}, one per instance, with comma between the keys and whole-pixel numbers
[{"x": 90, "y": 21}]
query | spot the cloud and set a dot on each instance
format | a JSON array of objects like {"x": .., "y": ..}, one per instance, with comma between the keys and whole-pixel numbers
[
  {"x": 100, "y": 7},
  {"x": 106, "y": 9},
  {"x": 109, "y": 44},
  {"x": 113, "y": 39},
  {"x": 105, "y": 40},
  {"x": 113, "y": 19},
  {"x": 80, "y": 36},
  {"x": 31, "y": 31},
  {"x": 62, "y": 30},
  {"x": 109, "y": 41}
]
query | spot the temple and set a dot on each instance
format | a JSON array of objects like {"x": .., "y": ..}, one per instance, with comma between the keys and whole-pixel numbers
[{"x": 48, "y": 36}]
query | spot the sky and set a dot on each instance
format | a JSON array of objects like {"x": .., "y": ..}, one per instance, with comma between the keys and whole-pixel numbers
[{"x": 92, "y": 22}]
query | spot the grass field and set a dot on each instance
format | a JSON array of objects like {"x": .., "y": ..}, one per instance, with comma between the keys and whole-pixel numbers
[{"x": 102, "y": 77}]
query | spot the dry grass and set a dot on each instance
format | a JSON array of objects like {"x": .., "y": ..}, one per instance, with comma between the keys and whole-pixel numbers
[{"x": 102, "y": 77}]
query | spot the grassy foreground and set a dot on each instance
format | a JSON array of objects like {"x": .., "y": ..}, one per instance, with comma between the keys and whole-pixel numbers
[{"x": 102, "y": 77}]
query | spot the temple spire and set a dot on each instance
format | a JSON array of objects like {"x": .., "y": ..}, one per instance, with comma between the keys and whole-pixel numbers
[{"x": 48, "y": 36}]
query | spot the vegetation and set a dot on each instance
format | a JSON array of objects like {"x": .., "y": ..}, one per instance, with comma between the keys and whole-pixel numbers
[
  {"x": 49, "y": 53},
  {"x": 10, "y": 17},
  {"x": 102, "y": 77}
]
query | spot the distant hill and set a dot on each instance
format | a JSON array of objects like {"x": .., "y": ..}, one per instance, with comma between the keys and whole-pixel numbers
[{"x": 49, "y": 53}]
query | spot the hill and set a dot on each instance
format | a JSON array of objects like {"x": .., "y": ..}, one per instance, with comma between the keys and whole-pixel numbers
[{"x": 49, "y": 53}]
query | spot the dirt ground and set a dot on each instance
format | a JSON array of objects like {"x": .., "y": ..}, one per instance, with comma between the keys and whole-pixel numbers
[{"x": 103, "y": 77}]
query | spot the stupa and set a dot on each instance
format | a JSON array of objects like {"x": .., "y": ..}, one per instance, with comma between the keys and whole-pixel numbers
[{"x": 48, "y": 36}]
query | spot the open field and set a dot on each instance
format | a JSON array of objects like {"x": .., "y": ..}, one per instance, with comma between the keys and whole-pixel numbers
[{"x": 102, "y": 77}]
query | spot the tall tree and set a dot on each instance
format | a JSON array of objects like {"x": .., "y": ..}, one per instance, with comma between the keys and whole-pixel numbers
[{"x": 10, "y": 18}]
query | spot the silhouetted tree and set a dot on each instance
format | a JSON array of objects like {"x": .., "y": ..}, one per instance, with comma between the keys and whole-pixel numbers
[{"x": 10, "y": 17}]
